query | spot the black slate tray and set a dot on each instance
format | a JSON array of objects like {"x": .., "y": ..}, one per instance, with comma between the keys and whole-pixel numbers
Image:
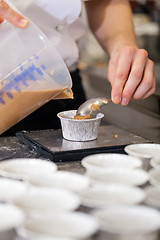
[{"x": 51, "y": 144}]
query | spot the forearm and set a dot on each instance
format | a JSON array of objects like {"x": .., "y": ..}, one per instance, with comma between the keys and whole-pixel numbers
[{"x": 111, "y": 23}]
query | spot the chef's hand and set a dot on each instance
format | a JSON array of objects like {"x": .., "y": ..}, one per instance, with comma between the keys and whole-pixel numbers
[
  {"x": 6, "y": 12},
  {"x": 131, "y": 74}
]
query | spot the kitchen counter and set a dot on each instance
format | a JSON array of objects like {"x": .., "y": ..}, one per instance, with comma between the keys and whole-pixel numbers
[{"x": 11, "y": 147}]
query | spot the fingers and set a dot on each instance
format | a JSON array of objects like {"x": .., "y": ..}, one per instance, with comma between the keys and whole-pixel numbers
[
  {"x": 135, "y": 76},
  {"x": 121, "y": 75},
  {"x": 148, "y": 83},
  {"x": 111, "y": 72},
  {"x": 6, "y": 12},
  {"x": 149, "y": 93},
  {"x": 132, "y": 76}
]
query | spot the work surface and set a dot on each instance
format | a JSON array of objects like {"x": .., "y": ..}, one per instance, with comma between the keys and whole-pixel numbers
[
  {"x": 51, "y": 144},
  {"x": 110, "y": 139}
]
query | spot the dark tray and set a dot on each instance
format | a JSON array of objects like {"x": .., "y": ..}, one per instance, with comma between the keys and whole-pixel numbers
[{"x": 53, "y": 146}]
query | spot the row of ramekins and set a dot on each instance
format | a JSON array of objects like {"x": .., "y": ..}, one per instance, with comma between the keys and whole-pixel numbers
[
  {"x": 48, "y": 198},
  {"x": 118, "y": 219}
]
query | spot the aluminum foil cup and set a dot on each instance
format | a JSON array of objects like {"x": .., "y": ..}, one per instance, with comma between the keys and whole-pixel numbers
[{"x": 79, "y": 130}]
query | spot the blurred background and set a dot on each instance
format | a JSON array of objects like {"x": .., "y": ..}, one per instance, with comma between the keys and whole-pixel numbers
[{"x": 141, "y": 117}]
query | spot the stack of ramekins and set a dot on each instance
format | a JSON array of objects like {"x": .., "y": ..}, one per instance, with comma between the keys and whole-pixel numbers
[
  {"x": 153, "y": 191},
  {"x": 40, "y": 202},
  {"x": 117, "y": 194},
  {"x": 150, "y": 156}
]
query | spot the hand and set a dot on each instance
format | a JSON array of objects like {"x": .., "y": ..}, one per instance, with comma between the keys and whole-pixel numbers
[
  {"x": 6, "y": 12},
  {"x": 131, "y": 74}
]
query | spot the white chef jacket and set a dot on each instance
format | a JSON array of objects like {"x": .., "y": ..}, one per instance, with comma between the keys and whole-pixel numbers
[{"x": 60, "y": 21}]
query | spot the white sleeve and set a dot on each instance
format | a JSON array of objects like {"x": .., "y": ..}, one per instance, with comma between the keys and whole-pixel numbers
[
  {"x": 63, "y": 10},
  {"x": 59, "y": 20}
]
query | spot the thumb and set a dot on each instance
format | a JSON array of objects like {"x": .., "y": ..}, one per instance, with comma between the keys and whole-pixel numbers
[{"x": 6, "y": 12}]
